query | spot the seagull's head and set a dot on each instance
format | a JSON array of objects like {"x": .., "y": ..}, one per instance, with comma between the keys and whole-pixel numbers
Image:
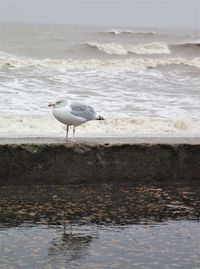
[{"x": 58, "y": 103}]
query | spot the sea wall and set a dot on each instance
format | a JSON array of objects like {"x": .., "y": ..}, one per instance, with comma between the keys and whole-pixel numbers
[
  {"x": 34, "y": 161},
  {"x": 51, "y": 181}
]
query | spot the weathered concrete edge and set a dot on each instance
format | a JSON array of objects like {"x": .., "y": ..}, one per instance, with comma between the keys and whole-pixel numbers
[
  {"x": 102, "y": 140},
  {"x": 96, "y": 162}
]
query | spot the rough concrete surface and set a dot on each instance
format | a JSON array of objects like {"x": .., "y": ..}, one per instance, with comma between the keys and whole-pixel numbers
[
  {"x": 51, "y": 161},
  {"x": 98, "y": 180}
]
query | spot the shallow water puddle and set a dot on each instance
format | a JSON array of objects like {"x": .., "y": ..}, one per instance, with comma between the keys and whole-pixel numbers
[{"x": 172, "y": 244}]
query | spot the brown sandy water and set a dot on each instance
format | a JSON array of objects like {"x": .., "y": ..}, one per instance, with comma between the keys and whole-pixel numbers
[{"x": 140, "y": 82}]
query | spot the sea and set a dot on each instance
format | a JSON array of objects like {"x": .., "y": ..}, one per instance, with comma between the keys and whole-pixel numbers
[{"x": 144, "y": 82}]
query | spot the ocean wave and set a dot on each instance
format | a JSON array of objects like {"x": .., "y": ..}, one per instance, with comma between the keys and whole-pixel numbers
[
  {"x": 116, "y": 64},
  {"x": 196, "y": 44},
  {"x": 119, "y": 49},
  {"x": 188, "y": 45},
  {"x": 120, "y": 32},
  {"x": 24, "y": 125}
]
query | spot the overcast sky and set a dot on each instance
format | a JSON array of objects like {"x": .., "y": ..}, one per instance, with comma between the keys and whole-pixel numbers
[{"x": 160, "y": 13}]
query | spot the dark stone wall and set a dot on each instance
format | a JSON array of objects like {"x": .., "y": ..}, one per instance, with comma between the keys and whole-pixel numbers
[{"x": 65, "y": 163}]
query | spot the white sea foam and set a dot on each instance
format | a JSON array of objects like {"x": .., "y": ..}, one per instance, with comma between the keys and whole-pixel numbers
[
  {"x": 119, "y": 49},
  {"x": 19, "y": 125},
  {"x": 125, "y": 64},
  {"x": 135, "y": 81},
  {"x": 119, "y": 32}
]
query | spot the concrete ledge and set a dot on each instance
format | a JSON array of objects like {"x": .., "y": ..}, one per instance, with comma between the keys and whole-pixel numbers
[{"x": 142, "y": 160}]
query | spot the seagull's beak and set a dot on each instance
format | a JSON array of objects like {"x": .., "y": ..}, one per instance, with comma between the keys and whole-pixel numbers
[{"x": 51, "y": 104}]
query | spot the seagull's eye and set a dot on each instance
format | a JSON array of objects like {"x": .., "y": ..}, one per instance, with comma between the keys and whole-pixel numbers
[{"x": 58, "y": 102}]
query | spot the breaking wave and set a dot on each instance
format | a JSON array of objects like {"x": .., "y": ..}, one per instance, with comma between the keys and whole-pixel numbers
[
  {"x": 120, "y": 32},
  {"x": 192, "y": 44},
  {"x": 188, "y": 45},
  {"x": 23, "y": 125},
  {"x": 118, "y": 49},
  {"x": 125, "y": 64}
]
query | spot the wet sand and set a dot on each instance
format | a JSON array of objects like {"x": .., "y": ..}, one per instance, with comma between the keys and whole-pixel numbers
[{"x": 98, "y": 203}]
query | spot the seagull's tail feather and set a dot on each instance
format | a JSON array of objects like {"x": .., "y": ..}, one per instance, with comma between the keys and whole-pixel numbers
[{"x": 99, "y": 117}]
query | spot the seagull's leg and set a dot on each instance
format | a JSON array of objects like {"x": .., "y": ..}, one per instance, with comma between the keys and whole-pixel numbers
[
  {"x": 74, "y": 132},
  {"x": 67, "y": 132}
]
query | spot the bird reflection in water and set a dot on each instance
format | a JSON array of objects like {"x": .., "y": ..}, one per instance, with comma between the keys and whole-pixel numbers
[{"x": 72, "y": 245}]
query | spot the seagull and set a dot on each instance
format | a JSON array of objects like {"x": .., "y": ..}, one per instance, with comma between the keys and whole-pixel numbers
[{"x": 73, "y": 113}]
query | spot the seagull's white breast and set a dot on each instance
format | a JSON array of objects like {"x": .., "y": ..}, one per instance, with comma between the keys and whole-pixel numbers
[{"x": 64, "y": 115}]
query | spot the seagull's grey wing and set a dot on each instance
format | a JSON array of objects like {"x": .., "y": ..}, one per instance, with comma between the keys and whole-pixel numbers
[{"x": 83, "y": 111}]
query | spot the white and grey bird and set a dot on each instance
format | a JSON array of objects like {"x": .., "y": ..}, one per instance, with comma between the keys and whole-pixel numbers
[{"x": 73, "y": 113}]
